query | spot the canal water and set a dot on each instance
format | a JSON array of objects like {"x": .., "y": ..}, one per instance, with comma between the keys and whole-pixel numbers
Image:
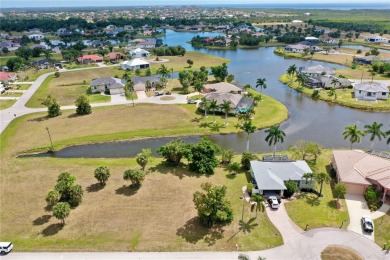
[{"x": 309, "y": 119}]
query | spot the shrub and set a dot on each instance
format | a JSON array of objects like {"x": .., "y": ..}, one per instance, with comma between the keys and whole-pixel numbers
[
  {"x": 291, "y": 188},
  {"x": 359, "y": 51},
  {"x": 234, "y": 167},
  {"x": 370, "y": 195},
  {"x": 173, "y": 152},
  {"x": 227, "y": 156},
  {"x": 56, "y": 74},
  {"x": 89, "y": 91},
  {"x": 315, "y": 94},
  {"x": 245, "y": 160},
  {"x": 249, "y": 188},
  {"x": 135, "y": 176},
  {"x": 83, "y": 106},
  {"x": 102, "y": 173}
]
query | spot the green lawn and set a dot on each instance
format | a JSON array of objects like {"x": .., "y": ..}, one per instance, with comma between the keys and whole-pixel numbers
[
  {"x": 4, "y": 104},
  {"x": 344, "y": 97},
  {"x": 382, "y": 229},
  {"x": 21, "y": 86},
  {"x": 12, "y": 94},
  {"x": 318, "y": 212}
]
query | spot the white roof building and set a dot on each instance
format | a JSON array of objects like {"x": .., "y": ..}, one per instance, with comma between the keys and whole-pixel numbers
[
  {"x": 134, "y": 64},
  {"x": 139, "y": 53}
]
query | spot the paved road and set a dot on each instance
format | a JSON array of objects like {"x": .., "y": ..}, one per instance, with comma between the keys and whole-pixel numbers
[
  {"x": 307, "y": 245},
  {"x": 20, "y": 109},
  {"x": 283, "y": 223}
]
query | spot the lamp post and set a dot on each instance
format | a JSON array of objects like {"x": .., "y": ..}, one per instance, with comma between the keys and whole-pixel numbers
[
  {"x": 51, "y": 142},
  {"x": 243, "y": 201}
]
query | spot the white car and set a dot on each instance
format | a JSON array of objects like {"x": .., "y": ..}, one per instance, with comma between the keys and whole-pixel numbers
[
  {"x": 5, "y": 247},
  {"x": 273, "y": 202},
  {"x": 367, "y": 224}
]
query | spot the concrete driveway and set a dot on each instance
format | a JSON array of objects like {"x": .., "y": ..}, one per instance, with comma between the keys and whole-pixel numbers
[
  {"x": 357, "y": 207},
  {"x": 287, "y": 228}
]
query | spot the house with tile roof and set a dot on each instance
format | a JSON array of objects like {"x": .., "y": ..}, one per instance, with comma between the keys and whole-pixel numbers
[
  {"x": 112, "y": 86},
  {"x": 358, "y": 170}
]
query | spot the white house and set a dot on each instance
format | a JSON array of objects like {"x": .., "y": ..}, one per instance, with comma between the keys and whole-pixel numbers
[
  {"x": 375, "y": 38},
  {"x": 36, "y": 36},
  {"x": 371, "y": 91},
  {"x": 146, "y": 44},
  {"x": 271, "y": 175},
  {"x": 134, "y": 64},
  {"x": 139, "y": 53},
  {"x": 299, "y": 48},
  {"x": 315, "y": 71}
]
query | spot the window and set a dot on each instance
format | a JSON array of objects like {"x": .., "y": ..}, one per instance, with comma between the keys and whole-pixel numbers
[
  {"x": 369, "y": 94},
  {"x": 360, "y": 92},
  {"x": 383, "y": 93}
]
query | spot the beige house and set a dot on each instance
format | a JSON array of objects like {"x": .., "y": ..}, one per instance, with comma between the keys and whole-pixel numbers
[
  {"x": 222, "y": 87},
  {"x": 358, "y": 170}
]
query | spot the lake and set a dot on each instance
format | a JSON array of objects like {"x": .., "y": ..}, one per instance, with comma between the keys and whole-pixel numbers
[{"x": 309, "y": 119}]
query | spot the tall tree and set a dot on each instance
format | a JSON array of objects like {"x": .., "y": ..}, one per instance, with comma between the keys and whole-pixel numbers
[
  {"x": 340, "y": 190},
  {"x": 275, "y": 135},
  {"x": 225, "y": 106},
  {"x": 334, "y": 82},
  {"x": 212, "y": 205},
  {"x": 321, "y": 178},
  {"x": 129, "y": 89},
  {"x": 353, "y": 133},
  {"x": 213, "y": 107},
  {"x": 52, "y": 197},
  {"x": 388, "y": 135},
  {"x": 202, "y": 156},
  {"x": 375, "y": 131},
  {"x": 260, "y": 82},
  {"x": 164, "y": 71},
  {"x": 291, "y": 71},
  {"x": 259, "y": 202},
  {"x": 301, "y": 79},
  {"x": 332, "y": 92},
  {"x": 249, "y": 129},
  {"x": 205, "y": 105}
]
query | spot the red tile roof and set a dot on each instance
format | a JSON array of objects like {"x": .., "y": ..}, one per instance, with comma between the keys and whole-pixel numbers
[
  {"x": 7, "y": 75},
  {"x": 90, "y": 57}
]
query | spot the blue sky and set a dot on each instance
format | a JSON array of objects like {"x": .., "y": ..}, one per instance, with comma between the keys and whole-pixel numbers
[{"x": 60, "y": 3}]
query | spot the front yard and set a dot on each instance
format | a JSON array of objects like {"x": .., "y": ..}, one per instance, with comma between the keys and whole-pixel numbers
[
  {"x": 382, "y": 229},
  {"x": 318, "y": 212}
]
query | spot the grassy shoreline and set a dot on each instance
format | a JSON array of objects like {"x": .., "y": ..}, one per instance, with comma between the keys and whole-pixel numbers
[{"x": 351, "y": 103}]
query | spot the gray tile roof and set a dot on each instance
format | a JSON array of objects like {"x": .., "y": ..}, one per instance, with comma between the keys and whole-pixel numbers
[
  {"x": 271, "y": 175},
  {"x": 371, "y": 87},
  {"x": 102, "y": 81}
]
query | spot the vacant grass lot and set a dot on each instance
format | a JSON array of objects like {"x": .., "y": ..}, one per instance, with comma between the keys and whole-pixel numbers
[
  {"x": 160, "y": 216},
  {"x": 126, "y": 122},
  {"x": 4, "y": 104},
  {"x": 314, "y": 211},
  {"x": 344, "y": 97},
  {"x": 382, "y": 229}
]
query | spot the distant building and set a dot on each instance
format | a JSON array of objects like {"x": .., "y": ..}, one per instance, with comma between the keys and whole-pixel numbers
[
  {"x": 36, "y": 36},
  {"x": 375, "y": 39},
  {"x": 315, "y": 71},
  {"x": 146, "y": 44},
  {"x": 139, "y": 53},
  {"x": 134, "y": 64},
  {"x": 297, "y": 48},
  {"x": 222, "y": 87},
  {"x": 371, "y": 91},
  {"x": 90, "y": 59}
]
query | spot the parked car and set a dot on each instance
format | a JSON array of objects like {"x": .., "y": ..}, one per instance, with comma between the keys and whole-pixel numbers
[
  {"x": 159, "y": 93},
  {"x": 191, "y": 101},
  {"x": 273, "y": 202},
  {"x": 6, "y": 247},
  {"x": 367, "y": 224},
  {"x": 168, "y": 93}
]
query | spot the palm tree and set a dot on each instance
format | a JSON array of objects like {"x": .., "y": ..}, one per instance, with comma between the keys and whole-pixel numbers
[
  {"x": 261, "y": 83},
  {"x": 291, "y": 71},
  {"x": 225, "y": 106},
  {"x": 204, "y": 105},
  {"x": 256, "y": 100},
  {"x": 250, "y": 113},
  {"x": 164, "y": 71},
  {"x": 301, "y": 78},
  {"x": 372, "y": 74},
  {"x": 332, "y": 92},
  {"x": 129, "y": 89},
  {"x": 334, "y": 82},
  {"x": 259, "y": 202},
  {"x": 388, "y": 134},
  {"x": 249, "y": 129},
  {"x": 353, "y": 133},
  {"x": 213, "y": 106},
  {"x": 275, "y": 135},
  {"x": 375, "y": 131},
  {"x": 307, "y": 176},
  {"x": 126, "y": 76},
  {"x": 321, "y": 178}
]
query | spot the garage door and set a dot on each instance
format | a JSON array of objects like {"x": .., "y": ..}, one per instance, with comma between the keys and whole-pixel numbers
[{"x": 355, "y": 188}]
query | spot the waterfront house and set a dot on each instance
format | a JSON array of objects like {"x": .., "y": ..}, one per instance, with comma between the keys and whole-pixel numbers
[
  {"x": 375, "y": 39},
  {"x": 296, "y": 48},
  {"x": 221, "y": 87},
  {"x": 146, "y": 44},
  {"x": 271, "y": 173},
  {"x": 238, "y": 103},
  {"x": 316, "y": 71},
  {"x": 371, "y": 91}
]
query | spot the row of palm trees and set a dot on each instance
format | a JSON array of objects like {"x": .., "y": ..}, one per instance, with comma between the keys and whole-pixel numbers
[
  {"x": 354, "y": 134},
  {"x": 213, "y": 106}
]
